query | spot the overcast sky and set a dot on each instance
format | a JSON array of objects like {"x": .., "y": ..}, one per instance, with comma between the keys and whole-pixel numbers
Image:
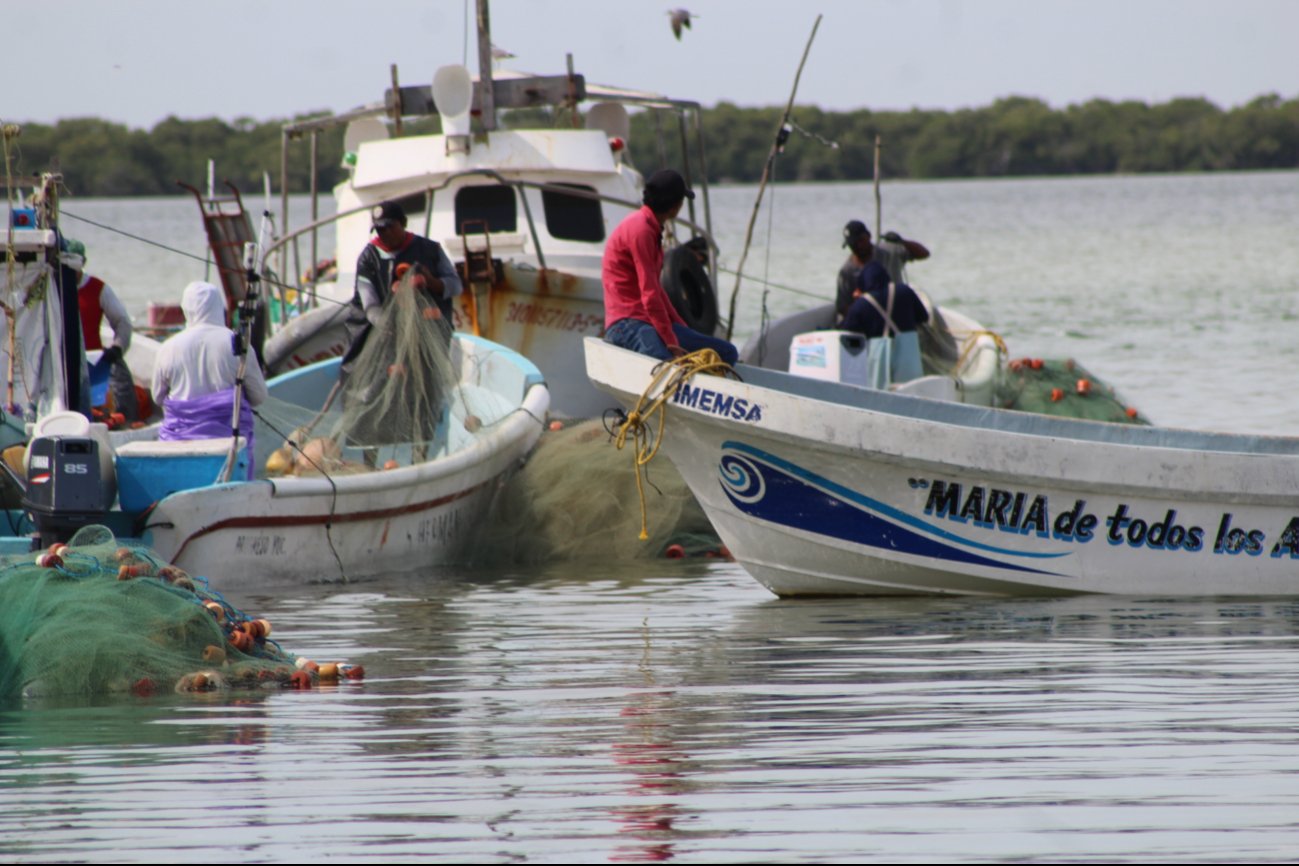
[{"x": 139, "y": 61}]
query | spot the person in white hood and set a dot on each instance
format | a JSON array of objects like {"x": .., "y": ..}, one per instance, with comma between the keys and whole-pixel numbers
[{"x": 195, "y": 372}]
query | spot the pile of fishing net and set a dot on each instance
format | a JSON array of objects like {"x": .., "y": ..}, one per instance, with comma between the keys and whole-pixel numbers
[
  {"x": 1064, "y": 388},
  {"x": 402, "y": 402},
  {"x": 576, "y": 498},
  {"x": 99, "y": 616}
]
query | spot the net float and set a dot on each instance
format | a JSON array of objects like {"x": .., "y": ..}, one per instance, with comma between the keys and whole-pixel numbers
[
  {"x": 214, "y": 655},
  {"x": 300, "y": 680},
  {"x": 49, "y": 560},
  {"x": 124, "y": 554},
  {"x": 241, "y": 640},
  {"x": 1084, "y": 386},
  {"x": 329, "y": 671},
  {"x": 473, "y": 423},
  {"x": 556, "y": 426},
  {"x": 216, "y": 610},
  {"x": 391, "y": 464},
  {"x": 1036, "y": 363},
  {"x": 353, "y": 672},
  {"x": 1057, "y": 394},
  {"x": 265, "y": 626},
  {"x": 674, "y": 551}
]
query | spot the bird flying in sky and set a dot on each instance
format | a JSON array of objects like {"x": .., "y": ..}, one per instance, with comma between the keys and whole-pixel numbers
[{"x": 680, "y": 18}]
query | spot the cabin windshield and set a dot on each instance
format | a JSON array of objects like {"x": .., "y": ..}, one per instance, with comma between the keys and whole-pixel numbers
[
  {"x": 573, "y": 217},
  {"x": 492, "y": 205}
]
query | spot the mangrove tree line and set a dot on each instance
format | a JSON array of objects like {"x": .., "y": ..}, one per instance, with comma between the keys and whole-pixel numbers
[{"x": 1016, "y": 136}]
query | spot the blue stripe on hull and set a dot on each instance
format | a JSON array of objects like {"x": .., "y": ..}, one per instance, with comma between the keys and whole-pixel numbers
[{"x": 764, "y": 486}]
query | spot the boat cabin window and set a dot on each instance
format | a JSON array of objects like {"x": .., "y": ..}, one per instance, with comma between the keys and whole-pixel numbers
[
  {"x": 493, "y": 205},
  {"x": 573, "y": 217}
]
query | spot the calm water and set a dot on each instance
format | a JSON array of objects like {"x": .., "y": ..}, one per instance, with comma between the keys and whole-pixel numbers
[{"x": 673, "y": 710}]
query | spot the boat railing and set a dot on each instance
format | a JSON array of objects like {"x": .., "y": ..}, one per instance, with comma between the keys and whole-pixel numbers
[{"x": 306, "y": 296}]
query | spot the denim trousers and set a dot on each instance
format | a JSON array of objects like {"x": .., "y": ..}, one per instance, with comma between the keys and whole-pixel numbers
[{"x": 641, "y": 337}]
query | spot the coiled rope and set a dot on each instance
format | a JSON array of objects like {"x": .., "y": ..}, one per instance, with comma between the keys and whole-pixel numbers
[{"x": 668, "y": 377}]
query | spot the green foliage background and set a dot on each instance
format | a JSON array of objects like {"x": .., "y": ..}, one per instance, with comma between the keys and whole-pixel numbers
[{"x": 1016, "y": 136}]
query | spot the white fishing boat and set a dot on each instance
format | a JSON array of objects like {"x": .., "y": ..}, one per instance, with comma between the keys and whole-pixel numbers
[
  {"x": 420, "y": 514},
  {"x": 821, "y": 488},
  {"x": 395, "y": 501},
  {"x": 523, "y": 213}
]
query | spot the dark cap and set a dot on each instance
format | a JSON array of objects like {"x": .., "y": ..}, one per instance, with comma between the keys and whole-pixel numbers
[
  {"x": 665, "y": 188},
  {"x": 385, "y": 214},
  {"x": 854, "y": 230}
]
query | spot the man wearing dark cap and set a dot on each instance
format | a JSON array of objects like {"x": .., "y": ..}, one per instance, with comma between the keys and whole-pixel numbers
[
  {"x": 857, "y": 238},
  {"x": 637, "y": 312},
  {"x": 890, "y": 254},
  {"x": 380, "y": 265}
]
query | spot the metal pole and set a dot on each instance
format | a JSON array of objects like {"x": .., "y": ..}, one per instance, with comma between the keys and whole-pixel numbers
[
  {"x": 486, "y": 95},
  {"x": 315, "y": 214}
]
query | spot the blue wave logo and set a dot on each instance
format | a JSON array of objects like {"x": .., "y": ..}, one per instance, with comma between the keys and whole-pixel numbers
[{"x": 769, "y": 488}]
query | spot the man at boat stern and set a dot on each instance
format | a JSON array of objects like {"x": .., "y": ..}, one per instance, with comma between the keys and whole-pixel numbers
[
  {"x": 890, "y": 256},
  {"x": 637, "y": 312},
  {"x": 196, "y": 372}
]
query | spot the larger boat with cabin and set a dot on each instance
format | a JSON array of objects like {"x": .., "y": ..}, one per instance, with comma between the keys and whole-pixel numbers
[{"x": 522, "y": 212}]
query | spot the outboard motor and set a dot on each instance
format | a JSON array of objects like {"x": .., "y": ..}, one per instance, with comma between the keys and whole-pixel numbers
[{"x": 70, "y": 477}]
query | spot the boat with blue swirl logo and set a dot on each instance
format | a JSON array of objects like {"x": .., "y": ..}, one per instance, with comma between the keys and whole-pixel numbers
[{"x": 822, "y": 488}]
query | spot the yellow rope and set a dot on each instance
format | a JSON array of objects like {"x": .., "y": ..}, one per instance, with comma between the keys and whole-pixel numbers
[
  {"x": 668, "y": 376},
  {"x": 972, "y": 340}
]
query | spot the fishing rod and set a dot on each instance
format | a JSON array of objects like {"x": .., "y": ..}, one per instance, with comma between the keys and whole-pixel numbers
[
  {"x": 247, "y": 312},
  {"x": 783, "y": 130}
]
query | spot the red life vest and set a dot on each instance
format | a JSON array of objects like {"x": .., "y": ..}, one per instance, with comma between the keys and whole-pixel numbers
[{"x": 92, "y": 314}]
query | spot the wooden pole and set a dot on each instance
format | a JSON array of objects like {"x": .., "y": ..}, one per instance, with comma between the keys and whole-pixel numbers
[
  {"x": 877, "y": 188},
  {"x": 766, "y": 174}
]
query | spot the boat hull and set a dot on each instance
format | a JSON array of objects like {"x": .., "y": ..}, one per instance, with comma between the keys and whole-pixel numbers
[
  {"x": 823, "y": 489},
  {"x": 316, "y": 529}
]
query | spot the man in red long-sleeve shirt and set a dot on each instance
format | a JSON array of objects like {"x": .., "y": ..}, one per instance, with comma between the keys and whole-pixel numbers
[{"x": 637, "y": 312}]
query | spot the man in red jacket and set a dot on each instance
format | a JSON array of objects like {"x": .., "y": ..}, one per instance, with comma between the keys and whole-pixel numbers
[
  {"x": 637, "y": 312},
  {"x": 97, "y": 301}
]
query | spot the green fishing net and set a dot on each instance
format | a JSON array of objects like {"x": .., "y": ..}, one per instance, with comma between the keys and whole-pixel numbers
[
  {"x": 112, "y": 617},
  {"x": 1064, "y": 388},
  {"x": 576, "y": 499}
]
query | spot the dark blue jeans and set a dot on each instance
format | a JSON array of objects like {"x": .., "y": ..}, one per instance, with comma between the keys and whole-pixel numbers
[{"x": 641, "y": 337}]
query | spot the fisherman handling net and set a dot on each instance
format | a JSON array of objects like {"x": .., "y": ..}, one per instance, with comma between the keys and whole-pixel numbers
[
  {"x": 99, "y": 616},
  {"x": 408, "y": 397}
]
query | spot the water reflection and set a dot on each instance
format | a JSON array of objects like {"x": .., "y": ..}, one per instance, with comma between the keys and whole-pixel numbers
[{"x": 677, "y": 711}]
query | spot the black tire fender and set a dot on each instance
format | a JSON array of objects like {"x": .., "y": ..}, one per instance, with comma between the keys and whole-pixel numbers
[{"x": 691, "y": 292}]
